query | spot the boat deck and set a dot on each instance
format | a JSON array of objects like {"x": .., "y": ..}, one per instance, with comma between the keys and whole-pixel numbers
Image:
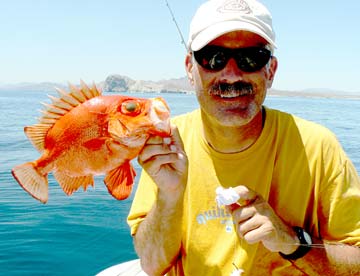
[{"x": 130, "y": 268}]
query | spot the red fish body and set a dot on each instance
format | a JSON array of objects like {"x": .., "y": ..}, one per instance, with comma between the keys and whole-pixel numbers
[{"x": 83, "y": 133}]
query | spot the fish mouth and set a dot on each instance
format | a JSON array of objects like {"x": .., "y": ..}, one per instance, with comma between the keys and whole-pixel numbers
[
  {"x": 160, "y": 116},
  {"x": 162, "y": 128},
  {"x": 231, "y": 91}
]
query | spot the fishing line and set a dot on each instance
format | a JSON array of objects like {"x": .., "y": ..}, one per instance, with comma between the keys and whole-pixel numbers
[{"x": 177, "y": 26}]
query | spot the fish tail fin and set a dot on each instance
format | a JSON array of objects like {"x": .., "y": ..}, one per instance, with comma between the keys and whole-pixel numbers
[
  {"x": 120, "y": 181},
  {"x": 31, "y": 180}
]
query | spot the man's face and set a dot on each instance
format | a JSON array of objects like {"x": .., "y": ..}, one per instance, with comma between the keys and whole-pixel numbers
[{"x": 231, "y": 96}]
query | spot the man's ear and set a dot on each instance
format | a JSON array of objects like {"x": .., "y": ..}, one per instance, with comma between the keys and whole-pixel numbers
[
  {"x": 271, "y": 71},
  {"x": 189, "y": 67}
]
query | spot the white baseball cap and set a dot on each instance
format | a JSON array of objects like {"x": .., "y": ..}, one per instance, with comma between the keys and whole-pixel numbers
[{"x": 217, "y": 17}]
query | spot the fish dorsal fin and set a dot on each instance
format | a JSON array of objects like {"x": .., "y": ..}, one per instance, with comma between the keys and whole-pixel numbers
[{"x": 58, "y": 108}]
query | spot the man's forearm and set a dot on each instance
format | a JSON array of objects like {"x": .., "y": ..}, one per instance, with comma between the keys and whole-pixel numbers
[
  {"x": 158, "y": 239},
  {"x": 330, "y": 259}
]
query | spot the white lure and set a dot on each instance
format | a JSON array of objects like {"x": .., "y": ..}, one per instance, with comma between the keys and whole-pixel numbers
[
  {"x": 237, "y": 272},
  {"x": 226, "y": 196}
]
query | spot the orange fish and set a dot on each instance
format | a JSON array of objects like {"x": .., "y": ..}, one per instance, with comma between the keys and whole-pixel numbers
[{"x": 83, "y": 133}]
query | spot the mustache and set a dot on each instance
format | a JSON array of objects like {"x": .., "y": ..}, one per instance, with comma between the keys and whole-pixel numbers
[{"x": 236, "y": 88}]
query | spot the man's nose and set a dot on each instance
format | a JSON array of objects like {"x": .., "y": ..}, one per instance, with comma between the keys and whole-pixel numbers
[{"x": 231, "y": 72}]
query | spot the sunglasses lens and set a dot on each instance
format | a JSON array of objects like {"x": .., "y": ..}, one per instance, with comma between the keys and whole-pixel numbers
[
  {"x": 252, "y": 59},
  {"x": 211, "y": 58},
  {"x": 215, "y": 58}
]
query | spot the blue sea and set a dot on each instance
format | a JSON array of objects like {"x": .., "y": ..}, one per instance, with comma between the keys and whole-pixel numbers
[{"x": 87, "y": 232}]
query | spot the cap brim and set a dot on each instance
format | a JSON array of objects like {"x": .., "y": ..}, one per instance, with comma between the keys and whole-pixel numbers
[{"x": 209, "y": 34}]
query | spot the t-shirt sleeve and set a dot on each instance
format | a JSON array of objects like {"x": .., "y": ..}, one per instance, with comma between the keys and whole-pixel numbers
[{"x": 340, "y": 201}]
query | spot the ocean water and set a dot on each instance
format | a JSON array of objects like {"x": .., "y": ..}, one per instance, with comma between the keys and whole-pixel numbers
[{"x": 87, "y": 232}]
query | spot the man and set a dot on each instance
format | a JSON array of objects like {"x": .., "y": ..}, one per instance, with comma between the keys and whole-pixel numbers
[{"x": 297, "y": 206}]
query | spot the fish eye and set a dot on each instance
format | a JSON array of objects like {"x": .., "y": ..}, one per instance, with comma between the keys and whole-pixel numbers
[{"x": 131, "y": 108}]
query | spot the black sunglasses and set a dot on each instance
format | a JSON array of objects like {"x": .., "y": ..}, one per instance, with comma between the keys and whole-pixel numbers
[{"x": 250, "y": 59}]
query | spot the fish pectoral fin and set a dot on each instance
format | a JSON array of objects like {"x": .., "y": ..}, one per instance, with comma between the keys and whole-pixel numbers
[
  {"x": 32, "y": 181},
  {"x": 71, "y": 184},
  {"x": 119, "y": 181},
  {"x": 37, "y": 134}
]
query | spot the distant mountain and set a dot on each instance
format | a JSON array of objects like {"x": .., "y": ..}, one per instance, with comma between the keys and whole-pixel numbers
[
  {"x": 30, "y": 86},
  {"x": 121, "y": 84},
  {"x": 113, "y": 83},
  {"x": 329, "y": 91},
  {"x": 315, "y": 92}
]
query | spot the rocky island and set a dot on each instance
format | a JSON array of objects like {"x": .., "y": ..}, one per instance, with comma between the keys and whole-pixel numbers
[{"x": 119, "y": 83}]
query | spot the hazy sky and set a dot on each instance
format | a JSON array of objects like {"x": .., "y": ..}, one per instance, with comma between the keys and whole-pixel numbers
[{"x": 68, "y": 40}]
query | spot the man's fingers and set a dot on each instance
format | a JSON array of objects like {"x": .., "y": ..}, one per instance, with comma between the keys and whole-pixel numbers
[
  {"x": 157, "y": 140},
  {"x": 153, "y": 150},
  {"x": 153, "y": 165},
  {"x": 247, "y": 196},
  {"x": 156, "y": 147}
]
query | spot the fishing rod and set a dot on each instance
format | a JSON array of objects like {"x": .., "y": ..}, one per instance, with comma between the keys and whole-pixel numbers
[{"x": 177, "y": 26}]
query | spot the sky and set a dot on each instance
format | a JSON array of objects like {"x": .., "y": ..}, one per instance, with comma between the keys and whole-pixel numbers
[{"x": 59, "y": 41}]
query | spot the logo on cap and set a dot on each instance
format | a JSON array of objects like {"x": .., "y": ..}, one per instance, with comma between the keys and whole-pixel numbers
[{"x": 234, "y": 6}]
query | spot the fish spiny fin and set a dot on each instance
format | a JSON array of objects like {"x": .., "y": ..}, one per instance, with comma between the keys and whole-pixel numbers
[
  {"x": 89, "y": 93},
  {"x": 58, "y": 108},
  {"x": 92, "y": 92},
  {"x": 55, "y": 110},
  {"x": 32, "y": 181},
  {"x": 50, "y": 115},
  {"x": 66, "y": 97},
  {"x": 71, "y": 184},
  {"x": 120, "y": 181},
  {"x": 69, "y": 99},
  {"x": 77, "y": 94},
  {"x": 37, "y": 134}
]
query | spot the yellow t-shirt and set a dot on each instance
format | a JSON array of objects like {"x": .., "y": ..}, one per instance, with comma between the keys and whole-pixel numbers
[{"x": 296, "y": 165}]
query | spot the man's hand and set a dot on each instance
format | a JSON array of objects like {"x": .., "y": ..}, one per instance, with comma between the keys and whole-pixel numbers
[
  {"x": 157, "y": 243},
  {"x": 165, "y": 161},
  {"x": 255, "y": 221}
]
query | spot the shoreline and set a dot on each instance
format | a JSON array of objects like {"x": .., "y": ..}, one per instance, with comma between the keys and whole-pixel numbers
[
  {"x": 271, "y": 92},
  {"x": 321, "y": 95}
]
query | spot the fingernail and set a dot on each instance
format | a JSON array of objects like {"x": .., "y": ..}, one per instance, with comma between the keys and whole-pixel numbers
[
  {"x": 173, "y": 148},
  {"x": 167, "y": 140}
]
